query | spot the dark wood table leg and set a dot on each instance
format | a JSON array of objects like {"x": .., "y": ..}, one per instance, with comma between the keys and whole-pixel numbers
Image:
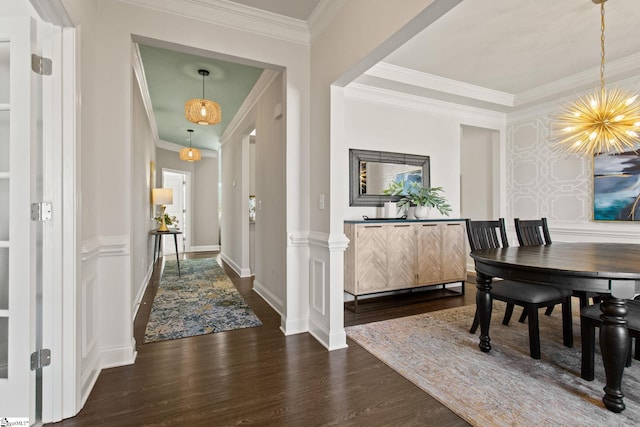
[
  {"x": 156, "y": 247},
  {"x": 175, "y": 240},
  {"x": 484, "y": 303},
  {"x": 614, "y": 345}
]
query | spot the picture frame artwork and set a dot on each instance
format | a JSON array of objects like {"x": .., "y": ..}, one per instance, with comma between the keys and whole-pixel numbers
[
  {"x": 616, "y": 187},
  {"x": 371, "y": 173}
]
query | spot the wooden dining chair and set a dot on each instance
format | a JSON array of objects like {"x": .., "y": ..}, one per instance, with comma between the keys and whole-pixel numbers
[
  {"x": 535, "y": 232},
  {"x": 492, "y": 234},
  {"x": 590, "y": 320}
]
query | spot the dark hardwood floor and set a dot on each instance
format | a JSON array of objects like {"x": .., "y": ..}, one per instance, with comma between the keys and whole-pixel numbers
[{"x": 257, "y": 376}]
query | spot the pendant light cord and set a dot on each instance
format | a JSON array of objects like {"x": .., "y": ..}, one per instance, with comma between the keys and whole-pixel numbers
[{"x": 602, "y": 46}]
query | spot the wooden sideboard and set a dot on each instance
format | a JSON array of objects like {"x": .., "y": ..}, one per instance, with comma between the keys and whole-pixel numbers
[{"x": 388, "y": 255}]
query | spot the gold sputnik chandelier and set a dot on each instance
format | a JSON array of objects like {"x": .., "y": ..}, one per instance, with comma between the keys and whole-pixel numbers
[
  {"x": 203, "y": 111},
  {"x": 602, "y": 122}
]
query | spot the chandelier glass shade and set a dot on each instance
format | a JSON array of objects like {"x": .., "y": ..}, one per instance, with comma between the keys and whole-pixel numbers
[
  {"x": 601, "y": 122},
  {"x": 201, "y": 110},
  {"x": 190, "y": 154}
]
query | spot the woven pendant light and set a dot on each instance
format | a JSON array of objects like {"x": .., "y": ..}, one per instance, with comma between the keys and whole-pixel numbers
[
  {"x": 190, "y": 154},
  {"x": 202, "y": 111}
]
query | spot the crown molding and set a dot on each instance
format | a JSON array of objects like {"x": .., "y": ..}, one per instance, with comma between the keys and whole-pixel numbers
[
  {"x": 233, "y": 15},
  {"x": 615, "y": 71},
  {"x": 53, "y": 12},
  {"x": 559, "y": 101},
  {"x": 322, "y": 16},
  {"x": 460, "y": 112},
  {"x": 429, "y": 81},
  {"x": 170, "y": 146},
  {"x": 265, "y": 79},
  {"x": 138, "y": 70}
]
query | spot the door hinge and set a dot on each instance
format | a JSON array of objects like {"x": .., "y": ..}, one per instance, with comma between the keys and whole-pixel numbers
[
  {"x": 41, "y": 65},
  {"x": 41, "y": 211},
  {"x": 40, "y": 359}
]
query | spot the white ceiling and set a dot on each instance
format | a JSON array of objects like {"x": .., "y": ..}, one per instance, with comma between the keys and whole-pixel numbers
[
  {"x": 512, "y": 51},
  {"x": 522, "y": 47},
  {"x": 514, "y": 46}
]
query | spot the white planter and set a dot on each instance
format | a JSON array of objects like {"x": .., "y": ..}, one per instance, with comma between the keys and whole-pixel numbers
[
  {"x": 390, "y": 210},
  {"x": 422, "y": 212}
]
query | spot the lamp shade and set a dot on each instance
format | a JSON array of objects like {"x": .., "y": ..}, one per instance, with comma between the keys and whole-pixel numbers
[
  {"x": 162, "y": 196},
  {"x": 190, "y": 154},
  {"x": 202, "y": 111}
]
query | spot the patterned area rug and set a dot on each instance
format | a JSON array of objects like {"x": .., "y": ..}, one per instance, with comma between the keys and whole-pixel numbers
[
  {"x": 203, "y": 300},
  {"x": 505, "y": 387}
]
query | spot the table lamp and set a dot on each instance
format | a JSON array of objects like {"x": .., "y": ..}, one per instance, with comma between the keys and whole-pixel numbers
[{"x": 162, "y": 197}]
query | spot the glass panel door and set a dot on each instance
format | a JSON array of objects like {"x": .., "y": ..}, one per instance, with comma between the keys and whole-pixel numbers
[
  {"x": 4, "y": 208},
  {"x": 18, "y": 253}
]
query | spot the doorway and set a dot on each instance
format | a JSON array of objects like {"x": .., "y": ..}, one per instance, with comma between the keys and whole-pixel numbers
[
  {"x": 478, "y": 146},
  {"x": 180, "y": 183}
]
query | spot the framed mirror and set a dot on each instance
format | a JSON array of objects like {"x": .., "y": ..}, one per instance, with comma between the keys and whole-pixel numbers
[{"x": 371, "y": 172}]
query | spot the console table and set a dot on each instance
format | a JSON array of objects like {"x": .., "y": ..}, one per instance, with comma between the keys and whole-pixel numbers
[
  {"x": 158, "y": 241},
  {"x": 389, "y": 255}
]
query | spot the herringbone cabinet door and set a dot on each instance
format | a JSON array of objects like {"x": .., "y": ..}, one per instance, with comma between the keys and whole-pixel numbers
[
  {"x": 401, "y": 256},
  {"x": 429, "y": 247},
  {"x": 453, "y": 252},
  {"x": 371, "y": 261}
]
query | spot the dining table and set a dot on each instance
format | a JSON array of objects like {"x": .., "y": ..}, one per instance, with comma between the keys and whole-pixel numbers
[{"x": 611, "y": 269}]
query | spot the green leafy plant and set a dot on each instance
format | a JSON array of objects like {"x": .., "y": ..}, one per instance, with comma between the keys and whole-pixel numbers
[
  {"x": 394, "y": 188},
  {"x": 425, "y": 196},
  {"x": 168, "y": 220}
]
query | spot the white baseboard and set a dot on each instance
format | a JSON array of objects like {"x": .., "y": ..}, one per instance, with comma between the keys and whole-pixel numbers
[
  {"x": 118, "y": 356},
  {"x": 333, "y": 341},
  {"x": 242, "y": 272},
  {"x": 143, "y": 289},
  {"x": 271, "y": 299},
  {"x": 90, "y": 373},
  {"x": 212, "y": 248}
]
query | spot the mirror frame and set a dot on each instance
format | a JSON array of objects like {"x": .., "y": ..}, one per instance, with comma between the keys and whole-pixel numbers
[{"x": 356, "y": 156}]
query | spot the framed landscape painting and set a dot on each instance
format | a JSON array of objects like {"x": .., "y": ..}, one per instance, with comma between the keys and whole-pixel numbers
[{"x": 616, "y": 187}]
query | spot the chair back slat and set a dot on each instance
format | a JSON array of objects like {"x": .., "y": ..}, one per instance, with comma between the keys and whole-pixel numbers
[
  {"x": 487, "y": 234},
  {"x": 534, "y": 232}
]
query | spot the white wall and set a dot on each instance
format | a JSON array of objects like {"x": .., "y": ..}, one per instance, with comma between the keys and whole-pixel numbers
[
  {"x": 270, "y": 235},
  {"x": 204, "y": 203},
  {"x": 232, "y": 220},
  {"x": 541, "y": 182},
  {"x": 204, "y": 197},
  {"x": 143, "y": 153},
  {"x": 476, "y": 172},
  {"x": 380, "y": 127}
]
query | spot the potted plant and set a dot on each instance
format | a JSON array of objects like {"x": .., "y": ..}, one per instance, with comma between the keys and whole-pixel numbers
[
  {"x": 424, "y": 199},
  {"x": 168, "y": 220}
]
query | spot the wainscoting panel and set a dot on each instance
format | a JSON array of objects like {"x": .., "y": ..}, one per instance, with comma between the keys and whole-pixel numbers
[
  {"x": 88, "y": 298},
  {"x": 88, "y": 326},
  {"x": 104, "y": 308},
  {"x": 543, "y": 183},
  {"x": 318, "y": 286}
]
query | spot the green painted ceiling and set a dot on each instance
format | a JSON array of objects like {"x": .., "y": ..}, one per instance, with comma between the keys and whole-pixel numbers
[{"x": 172, "y": 78}]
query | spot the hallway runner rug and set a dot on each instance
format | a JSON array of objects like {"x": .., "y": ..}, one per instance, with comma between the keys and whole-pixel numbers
[
  {"x": 202, "y": 301},
  {"x": 504, "y": 387}
]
